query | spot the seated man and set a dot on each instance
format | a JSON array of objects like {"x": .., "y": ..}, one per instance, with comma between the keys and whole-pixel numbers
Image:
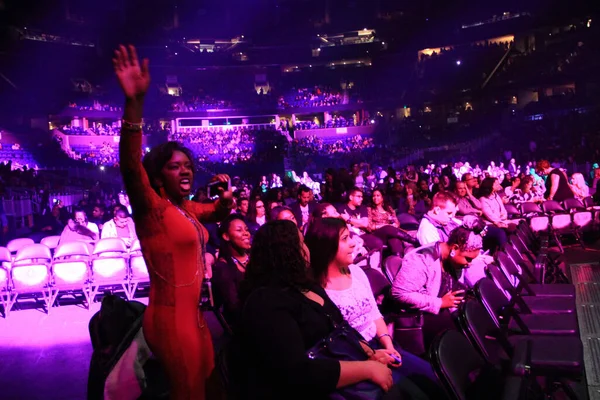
[
  {"x": 79, "y": 229},
  {"x": 429, "y": 280},
  {"x": 437, "y": 224},
  {"x": 120, "y": 226}
]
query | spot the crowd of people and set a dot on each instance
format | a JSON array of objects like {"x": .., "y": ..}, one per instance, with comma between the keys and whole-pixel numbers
[
  {"x": 312, "y": 97},
  {"x": 230, "y": 146},
  {"x": 95, "y": 105},
  {"x": 200, "y": 104},
  {"x": 314, "y": 145}
]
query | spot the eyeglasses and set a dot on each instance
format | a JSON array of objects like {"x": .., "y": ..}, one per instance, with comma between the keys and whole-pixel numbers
[{"x": 260, "y": 206}]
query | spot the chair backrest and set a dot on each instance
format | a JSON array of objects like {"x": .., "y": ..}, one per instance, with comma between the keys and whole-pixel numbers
[
  {"x": 512, "y": 210},
  {"x": 17, "y": 244},
  {"x": 70, "y": 249},
  {"x": 5, "y": 255},
  {"x": 35, "y": 251},
  {"x": 589, "y": 202},
  {"x": 501, "y": 280},
  {"x": 552, "y": 207},
  {"x": 110, "y": 245},
  {"x": 492, "y": 298},
  {"x": 392, "y": 265},
  {"x": 510, "y": 267},
  {"x": 135, "y": 246},
  {"x": 530, "y": 208},
  {"x": 51, "y": 241},
  {"x": 573, "y": 204},
  {"x": 460, "y": 368},
  {"x": 483, "y": 332},
  {"x": 408, "y": 221}
]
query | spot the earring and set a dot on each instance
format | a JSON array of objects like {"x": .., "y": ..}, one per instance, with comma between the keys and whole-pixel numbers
[{"x": 452, "y": 253}]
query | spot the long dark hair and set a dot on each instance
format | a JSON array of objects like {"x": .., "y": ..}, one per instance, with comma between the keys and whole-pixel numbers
[
  {"x": 159, "y": 156},
  {"x": 322, "y": 240},
  {"x": 487, "y": 187},
  {"x": 386, "y": 205},
  {"x": 276, "y": 259},
  {"x": 251, "y": 214}
]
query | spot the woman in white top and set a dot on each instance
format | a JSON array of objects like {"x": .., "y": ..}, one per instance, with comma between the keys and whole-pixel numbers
[
  {"x": 331, "y": 248},
  {"x": 492, "y": 204}
]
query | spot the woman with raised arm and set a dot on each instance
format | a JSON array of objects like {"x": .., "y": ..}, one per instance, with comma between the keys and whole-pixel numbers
[{"x": 172, "y": 238}]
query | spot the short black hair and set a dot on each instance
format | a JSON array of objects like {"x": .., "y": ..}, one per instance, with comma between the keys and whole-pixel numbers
[
  {"x": 303, "y": 189},
  {"x": 159, "y": 156}
]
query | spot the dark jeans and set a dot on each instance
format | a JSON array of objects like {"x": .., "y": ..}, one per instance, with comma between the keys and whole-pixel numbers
[
  {"x": 494, "y": 239},
  {"x": 434, "y": 324},
  {"x": 394, "y": 238},
  {"x": 414, "y": 379}
]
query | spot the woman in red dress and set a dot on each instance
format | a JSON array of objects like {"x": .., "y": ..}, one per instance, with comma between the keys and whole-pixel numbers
[{"x": 172, "y": 238}]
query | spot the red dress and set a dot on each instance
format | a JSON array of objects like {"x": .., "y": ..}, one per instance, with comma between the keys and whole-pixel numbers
[{"x": 172, "y": 241}]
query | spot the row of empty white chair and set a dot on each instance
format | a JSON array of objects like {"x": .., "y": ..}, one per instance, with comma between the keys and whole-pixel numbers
[{"x": 75, "y": 267}]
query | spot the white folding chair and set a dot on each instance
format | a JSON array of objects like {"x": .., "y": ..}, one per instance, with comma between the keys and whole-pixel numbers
[
  {"x": 71, "y": 269},
  {"x": 109, "y": 266},
  {"x": 17, "y": 244},
  {"x": 30, "y": 274},
  {"x": 138, "y": 270},
  {"x": 5, "y": 285},
  {"x": 51, "y": 241}
]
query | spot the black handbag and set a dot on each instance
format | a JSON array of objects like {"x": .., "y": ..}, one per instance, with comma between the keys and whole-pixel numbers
[{"x": 346, "y": 344}]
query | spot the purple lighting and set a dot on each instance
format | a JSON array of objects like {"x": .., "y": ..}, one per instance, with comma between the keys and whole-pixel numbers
[{"x": 458, "y": 62}]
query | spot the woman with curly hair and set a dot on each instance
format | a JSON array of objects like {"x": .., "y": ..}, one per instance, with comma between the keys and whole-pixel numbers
[
  {"x": 172, "y": 238},
  {"x": 284, "y": 314}
]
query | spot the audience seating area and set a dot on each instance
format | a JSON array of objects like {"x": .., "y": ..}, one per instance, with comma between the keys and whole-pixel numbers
[
  {"x": 520, "y": 334},
  {"x": 49, "y": 270}
]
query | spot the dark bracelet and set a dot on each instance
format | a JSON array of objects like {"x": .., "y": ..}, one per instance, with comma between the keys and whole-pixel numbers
[{"x": 130, "y": 126}]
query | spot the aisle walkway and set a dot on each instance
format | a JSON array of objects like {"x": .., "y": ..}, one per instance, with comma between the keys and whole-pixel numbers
[{"x": 586, "y": 278}]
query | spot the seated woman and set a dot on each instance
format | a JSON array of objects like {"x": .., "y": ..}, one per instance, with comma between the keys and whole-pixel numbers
[
  {"x": 229, "y": 270},
  {"x": 257, "y": 215},
  {"x": 79, "y": 229},
  {"x": 384, "y": 224},
  {"x": 579, "y": 187},
  {"x": 331, "y": 247},
  {"x": 377, "y": 279},
  {"x": 492, "y": 204},
  {"x": 326, "y": 210},
  {"x": 429, "y": 279},
  {"x": 284, "y": 314},
  {"x": 525, "y": 193},
  {"x": 283, "y": 213}
]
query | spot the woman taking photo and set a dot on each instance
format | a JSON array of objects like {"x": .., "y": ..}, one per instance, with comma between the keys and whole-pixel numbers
[
  {"x": 284, "y": 314},
  {"x": 228, "y": 272},
  {"x": 172, "y": 238},
  {"x": 331, "y": 247}
]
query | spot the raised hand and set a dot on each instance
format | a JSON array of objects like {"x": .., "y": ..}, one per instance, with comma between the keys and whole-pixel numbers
[{"x": 133, "y": 77}]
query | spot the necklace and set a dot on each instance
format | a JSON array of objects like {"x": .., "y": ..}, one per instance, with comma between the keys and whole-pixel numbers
[
  {"x": 200, "y": 258},
  {"x": 242, "y": 264}
]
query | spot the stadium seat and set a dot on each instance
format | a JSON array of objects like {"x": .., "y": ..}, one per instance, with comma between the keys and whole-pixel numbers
[
  {"x": 109, "y": 266},
  {"x": 17, "y": 244},
  {"x": 71, "y": 269},
  {"x": 51, "y": 241},
  {"x": 5, "y": 264},
  {"x": 511, "y": 322},
  {"x": 138, "y": 269},
  {"x": 538, "y": 221},
  {"x": 466, "y": 375},
  {"x": 531, "y": 304},
  {"x": 30, "y": 274},
  {"x": 553, "y": 357}
]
